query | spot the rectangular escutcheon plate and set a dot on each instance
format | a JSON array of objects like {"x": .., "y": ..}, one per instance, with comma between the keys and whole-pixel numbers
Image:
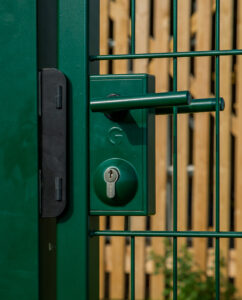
[{"x": 122, "y": 141}]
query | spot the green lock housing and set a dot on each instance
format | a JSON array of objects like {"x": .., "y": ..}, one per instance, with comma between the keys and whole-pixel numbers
[{"x": 123, "y": 140}]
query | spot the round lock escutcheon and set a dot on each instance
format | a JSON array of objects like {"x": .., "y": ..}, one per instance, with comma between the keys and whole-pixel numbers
[{"x": 115, "y": 182}]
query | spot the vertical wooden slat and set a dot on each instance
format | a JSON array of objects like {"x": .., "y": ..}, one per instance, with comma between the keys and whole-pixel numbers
[
  {"x": 184, "y": 8},
  {"x": 159, "y": 67},
  {"x": 226, "y": 42},
  {"x": 101, "y": 259},
  {"x": 201, "y": 131},
  {"x": 104, "y": 33},
  {"x": 119, "y": 12},
  {"x": 117, "y": 274},
  {"x": 141, "y": 66},
  {"x": 238, "y": 161}
]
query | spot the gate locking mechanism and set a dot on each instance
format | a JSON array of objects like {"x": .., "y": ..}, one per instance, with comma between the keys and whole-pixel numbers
[
  {"x": 122, "y": 148},
  {"x": 122, "y": 145},
  {"x": 122, "y": 162},
  {"x": 111, "y": 175},
  {"x": 115, "y": 182}
]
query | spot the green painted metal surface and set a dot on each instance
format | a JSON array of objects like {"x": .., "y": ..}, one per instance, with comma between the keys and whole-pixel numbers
[
  {"x": 217, "y": 150},
  {"x": 72, "y": 240},
  {"x": 18, "y": 151},
  {"x": 168, "y": 233},
  {"x": 77, "y": 259},
  {"x": 196, "y": 106},
  {"x": 132, "y": 271},
  {"x": 133, "y": 5},
  {"x": 131, "y": 140},
  {"x": 151, "y": 100},
  {"x": 174, "y": 154},
  {"x": 167, "y": 54}
]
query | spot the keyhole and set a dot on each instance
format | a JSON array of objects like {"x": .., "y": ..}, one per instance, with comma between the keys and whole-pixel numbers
[{"x": 110, "y": 173}]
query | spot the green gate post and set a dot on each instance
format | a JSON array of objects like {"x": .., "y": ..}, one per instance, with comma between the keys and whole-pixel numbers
[
  {"x": 63, "y": 43},
  {"x": 18, "y": 151},
  {"x": 47, "y": 58},
  {"x": 77, "y": 260}
]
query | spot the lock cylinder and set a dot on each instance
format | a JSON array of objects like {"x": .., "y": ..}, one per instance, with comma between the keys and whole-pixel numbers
[
  {"x": 111, "y": 175},
  {"x": 115, "y": 182}
]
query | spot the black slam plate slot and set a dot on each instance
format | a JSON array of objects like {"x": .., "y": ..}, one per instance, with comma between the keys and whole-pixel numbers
[{"x": 52, "y": 142}]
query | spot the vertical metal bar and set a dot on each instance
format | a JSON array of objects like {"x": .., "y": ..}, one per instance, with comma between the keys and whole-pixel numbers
[
  {"x": 47, "y": 58},
  {"x": 93, "y": 40},
  {"x": 133, "y": 26},
  {"x": 175, "y": 202},
  {"x": 75, "y": 255},
  {"x": 217, "y": 175},
  {"x": 72, "y": 254},
  {"x": 132, "y": 268},
  {"x": 175, "y": 45},
  {"x": 132, "y": 273},
  {"x": 175, "y": 152}
]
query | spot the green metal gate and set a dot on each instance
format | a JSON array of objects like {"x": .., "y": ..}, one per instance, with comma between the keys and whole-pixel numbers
[
  {"x": 175, "y": 234},
  {"x": 67, "y": 39}
]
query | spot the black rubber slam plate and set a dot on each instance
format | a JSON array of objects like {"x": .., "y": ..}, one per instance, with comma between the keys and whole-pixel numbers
[{"x": 52, "y": 142}]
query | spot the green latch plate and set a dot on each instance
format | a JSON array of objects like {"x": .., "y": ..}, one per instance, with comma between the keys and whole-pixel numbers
[{"x": 127, "y": 143}]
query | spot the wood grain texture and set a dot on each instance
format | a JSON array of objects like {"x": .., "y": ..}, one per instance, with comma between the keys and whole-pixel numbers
[
  {"x": 119, "y": 13},
  {"x": 104, "y": 34},
  {"x": 160, "y": 42},
  {"x": 201, "y": 131},
  {"x": 238, "y": 159},
  {"x": 184, "y": 11},
  {"x": 226, "y": 42},
  {"x": 154, "y": 35},
  {"x": 142, "y": 32}
]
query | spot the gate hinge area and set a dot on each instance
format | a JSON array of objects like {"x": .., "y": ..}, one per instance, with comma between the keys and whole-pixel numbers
[{"x": 52, "y": 142}]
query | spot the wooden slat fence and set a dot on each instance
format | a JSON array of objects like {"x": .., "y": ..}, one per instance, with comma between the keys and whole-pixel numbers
[{"x": 196, "y": 191}]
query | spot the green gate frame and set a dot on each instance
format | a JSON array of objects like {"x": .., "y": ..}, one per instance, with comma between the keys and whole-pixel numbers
[
  {"x": 34, "y": 35},
  {"x": 77, "y": 254},
  {"x": 71, "y": 46}
]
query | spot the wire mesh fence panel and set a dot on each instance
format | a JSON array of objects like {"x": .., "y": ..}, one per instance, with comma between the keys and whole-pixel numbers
[{"x": 188, "y": 45}]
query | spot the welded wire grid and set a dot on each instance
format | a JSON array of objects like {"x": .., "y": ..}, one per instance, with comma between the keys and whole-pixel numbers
[{"x": 217, "y": 234}]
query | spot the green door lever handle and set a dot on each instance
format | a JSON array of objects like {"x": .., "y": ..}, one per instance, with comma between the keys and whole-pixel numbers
[
  {"x": 162, "y": 102},
  {"x": 154, "y": 100},
  {"x": 195, "y": 106}
]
